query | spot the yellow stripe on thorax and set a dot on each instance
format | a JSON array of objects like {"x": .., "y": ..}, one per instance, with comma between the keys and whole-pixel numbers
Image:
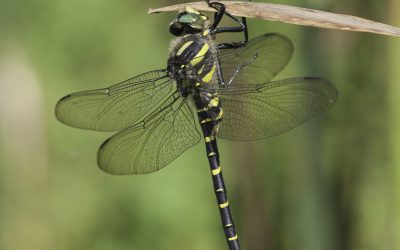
[
  {"x": 200, "y": 70},
  {"x": 207, "y": 78},
  {"x": 184, "y": 46},
  {"x": 200, "y": 55},
  {"x": 220, "y": 114},
  {"x": 213, "y": 102}
]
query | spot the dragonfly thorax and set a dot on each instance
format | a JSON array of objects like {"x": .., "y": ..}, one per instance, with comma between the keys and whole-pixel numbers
[{"x": 192, "y": 62}]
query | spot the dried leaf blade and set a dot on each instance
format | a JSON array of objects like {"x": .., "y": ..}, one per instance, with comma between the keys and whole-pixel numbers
[{"x": 294, "y": 15}]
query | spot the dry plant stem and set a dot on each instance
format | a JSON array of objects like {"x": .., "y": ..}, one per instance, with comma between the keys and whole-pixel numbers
[{"x": 293, "y": 15}]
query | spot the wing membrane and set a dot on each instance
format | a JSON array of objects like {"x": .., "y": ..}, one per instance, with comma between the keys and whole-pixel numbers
[
  {"x": 265, "y": 110},
  {"x": 116, "y": 107},
  {"x": 152, "y": 144},
  {"x": 264, "y": 57}
]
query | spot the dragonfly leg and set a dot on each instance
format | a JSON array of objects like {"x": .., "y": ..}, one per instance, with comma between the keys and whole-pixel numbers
[
  {"x": 243, "y": 28},
  {"x": 220, "y": 8},
  {"x": 221, "y": 11}
]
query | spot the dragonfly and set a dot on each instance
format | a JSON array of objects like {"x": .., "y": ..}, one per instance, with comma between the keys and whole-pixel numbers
[{"x": 226, "y": 89}]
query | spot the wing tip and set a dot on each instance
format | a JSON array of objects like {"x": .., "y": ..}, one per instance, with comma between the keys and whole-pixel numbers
[
  {"x": 65, "y": 97},
  {"x": 105, "y": 166},
  {"x": 331, "y": 92},
  {"x": 58, "y": 108}
]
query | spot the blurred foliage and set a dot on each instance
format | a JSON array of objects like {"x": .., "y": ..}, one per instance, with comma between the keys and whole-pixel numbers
[{"x": 330, "y": 184}]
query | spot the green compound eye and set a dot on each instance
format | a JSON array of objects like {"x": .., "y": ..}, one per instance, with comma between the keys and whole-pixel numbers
[
  {"x": 188, "y": 23},
  {"x": 194, "y": 20},
  {"x": 188, "y": 18}
]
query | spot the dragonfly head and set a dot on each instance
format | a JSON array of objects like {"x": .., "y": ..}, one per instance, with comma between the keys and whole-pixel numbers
[{"x": 188, "y": 21}]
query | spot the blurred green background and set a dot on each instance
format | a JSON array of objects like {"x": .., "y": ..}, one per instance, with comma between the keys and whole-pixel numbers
[{"x": 333, "y": 183}]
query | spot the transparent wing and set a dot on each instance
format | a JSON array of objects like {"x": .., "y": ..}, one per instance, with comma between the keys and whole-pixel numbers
[
  {"x": 258, "y": 61},
  {"x": 116, "y": 107},
  {"x": 152, "y": 144},
  {"x": 264, "y": 57},
  {"x": 265, "y": 110}
]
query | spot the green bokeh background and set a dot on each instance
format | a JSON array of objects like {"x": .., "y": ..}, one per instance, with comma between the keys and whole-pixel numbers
[{"x": 333, "y": 183}]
